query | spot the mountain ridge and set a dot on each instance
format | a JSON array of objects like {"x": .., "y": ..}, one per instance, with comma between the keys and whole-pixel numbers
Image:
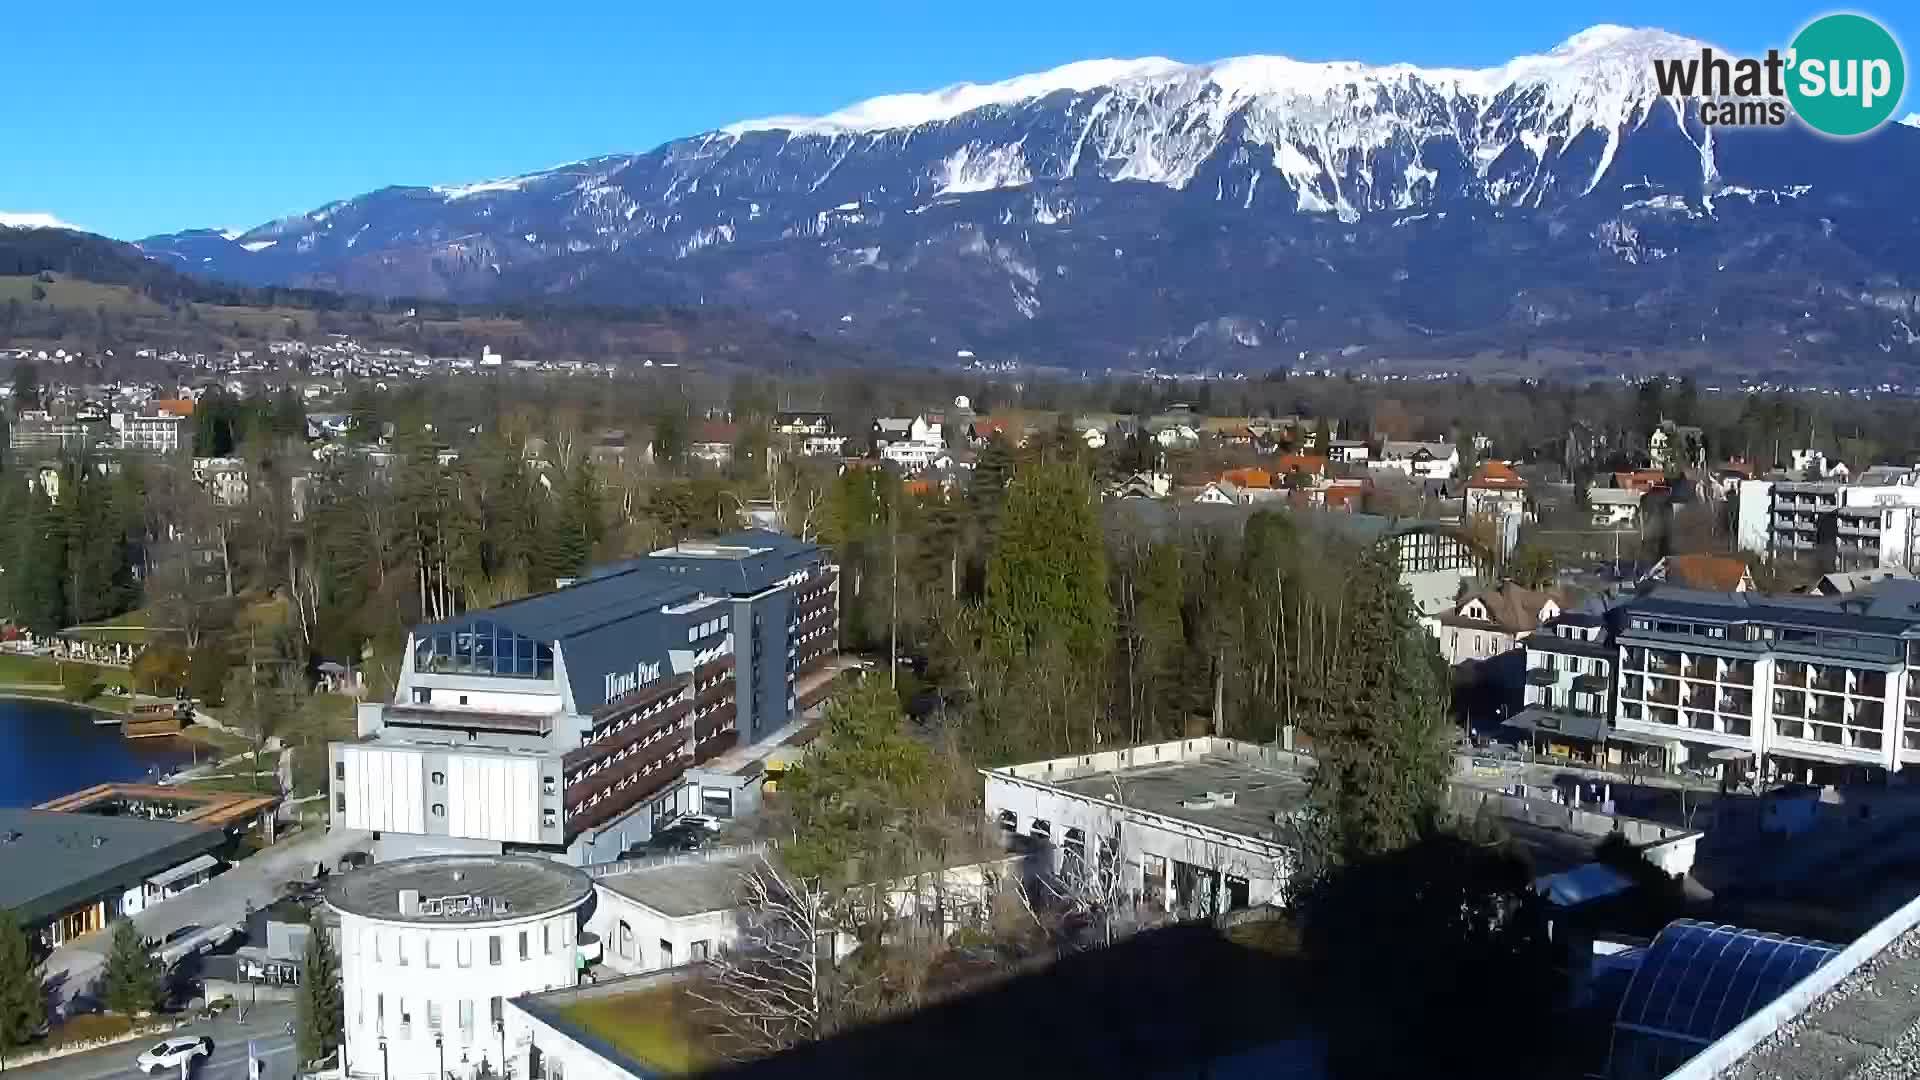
[{"x": 979, "y": 217}]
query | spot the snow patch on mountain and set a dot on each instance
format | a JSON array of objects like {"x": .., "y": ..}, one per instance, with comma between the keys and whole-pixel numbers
[
  {"x": 974, "y": 167},
  {"x": 25, "y": 219},
  {"x": 915, "y": 110}
]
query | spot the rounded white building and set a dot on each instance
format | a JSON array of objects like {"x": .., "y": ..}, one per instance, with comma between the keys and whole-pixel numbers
[{"x": 432, "y": 948}]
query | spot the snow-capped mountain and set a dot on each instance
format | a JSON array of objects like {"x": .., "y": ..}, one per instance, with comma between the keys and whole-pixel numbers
[{"x": 1113, "y": 212}]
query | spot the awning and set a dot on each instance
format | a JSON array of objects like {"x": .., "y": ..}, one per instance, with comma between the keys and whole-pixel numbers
[
  {"x": 185, "y": 870},
  {"x": 1730, "y": 754},
  {"x": 1664, "y": 742},
  {"x": 1548, "y": 722}
]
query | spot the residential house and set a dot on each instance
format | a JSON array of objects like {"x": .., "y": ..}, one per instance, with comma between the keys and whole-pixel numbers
[
  {"x": 1614, "y": 508},
  {"x": 1568, "y": 701},
  {"x": 1220, "y": 493},
  {"x": 713, "y": 441},
  {"x": 801, "y": 424},
  {"x": 1350, "y": 451},
  {"x": 1492, "y": 621},
  {"x": 1676, "y": 446},
  {"x": 1143, "y": 485},
  {"x": 1299, "y": 470},
  {"x": 1419, "y": 460},
  {"x": 1496, "y": 491}
]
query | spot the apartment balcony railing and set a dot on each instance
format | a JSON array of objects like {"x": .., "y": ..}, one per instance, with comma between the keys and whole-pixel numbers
[
  {"x": 1736, "y": 703},
  {"x": 1870, "y": 683},
  {"x": 1700, "y": 721},
  {"x": 1828, "y": 713},
  {"x": 1663, "y": 666},
  {"x": 1700, "y": 699},
  {"x": 1739, "y": 672},
  {"x": 1664, "y": 693},
  {"x": 1869, "y": 714},
  {"x": 1542, "y": 676},
  {"x": 1737, "y": 725},
  {"x": 1708, "y": 669},
  {"x": 1833, "y": 682},
  {"x": 1790, "y": 675}
]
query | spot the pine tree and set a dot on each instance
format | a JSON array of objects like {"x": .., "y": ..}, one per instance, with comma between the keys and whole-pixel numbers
[
  {"x": 322, "y": 1013},
  {"x": 1047, "y": 577},
  {"x": 132, "y": 983},
  {"x": 1381, "y": 737},
  {"x": 22, "y": 987}
]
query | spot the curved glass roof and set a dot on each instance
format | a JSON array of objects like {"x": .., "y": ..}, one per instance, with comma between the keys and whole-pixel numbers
[{"x": 1699, "y": 980}]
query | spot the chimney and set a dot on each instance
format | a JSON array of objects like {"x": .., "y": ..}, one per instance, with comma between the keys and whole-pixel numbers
[{"x": 409, "y": 901}]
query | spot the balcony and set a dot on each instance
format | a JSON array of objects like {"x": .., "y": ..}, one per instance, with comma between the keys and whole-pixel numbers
[
  {"x": 1870, "y": 683},
  {"x": 1831, "y": 680},
  {"x": 1542, "y": 676},
  {"x": 456, "y": 719},
  {"x": 1869, "y": 714},
  {"x": 1700, "y": 721},
  {"x": 1737, "y": 725},
  {"x": 1700, "y": 698},
  {"x": 1664, "y": 692},
  {"x": 1589, "y": 684},
  {"x": 1663, "y": 663},
  {"x": 1828, "y": 712},
  {"x": 1790, "y": 674},
  {"x": 1706, "y": 667},
  {"x": 1740, "y": 703},
  {"x": 1738, "y": 672},
  {"x": 1867, "y": 739}
]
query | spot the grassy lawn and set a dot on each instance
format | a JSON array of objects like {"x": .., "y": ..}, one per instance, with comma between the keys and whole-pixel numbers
[
  {"x": 653, "y": 1026},
  {"x": 45, "y": 671}
]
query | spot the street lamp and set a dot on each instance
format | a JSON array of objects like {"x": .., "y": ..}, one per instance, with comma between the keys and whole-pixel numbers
[{"x": 385, "y": 1073}]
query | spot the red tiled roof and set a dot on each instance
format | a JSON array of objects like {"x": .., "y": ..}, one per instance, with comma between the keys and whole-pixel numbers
[
  {"x": 1496, "y": 474},
  {"x": 1716, "y": 573},
  {"x": 1306, "y": 463},
  {"x": 1249, "y": 477}
]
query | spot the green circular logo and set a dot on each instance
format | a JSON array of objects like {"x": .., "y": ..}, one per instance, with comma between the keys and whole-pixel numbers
[{"x": 1845, "y": 75}]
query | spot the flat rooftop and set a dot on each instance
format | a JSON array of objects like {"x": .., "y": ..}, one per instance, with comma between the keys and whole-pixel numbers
[
  {"x": 1867, "y": 1026},
  {"x": 222, "y": 809},
  {"x": 681, "y": 888},
  {"x": 52, "y": 861},
  {"x": 451, "y": 889},
  {"x": 1178, "y": 789}
]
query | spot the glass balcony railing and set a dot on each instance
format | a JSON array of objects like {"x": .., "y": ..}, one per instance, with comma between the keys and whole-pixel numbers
[{"x": 1739, "y": 672}]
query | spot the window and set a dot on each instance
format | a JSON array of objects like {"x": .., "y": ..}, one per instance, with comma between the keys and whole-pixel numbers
[
  {"x": 380, "y": 1013},
  {"x": 463, "y": 699},
  {"x": 466, "y": 1018},
  {"x": 463, "y": 952},
  {"x": 439, "y": 809},
  {"x": 340, "y": 770},
  {"x": 340, "y": 802},
  {"x": 666, "y": 953},
  {"x": 422, "y": 696},
  {"x": 426, "y": 951},
  {"x": 566, "y": 932},
  {"x": 378, "y": 942},
  {"x": 623, "y": 940},
  {"x": 440, "y": 778},
  {"x": 493, "y": 949},
  {"x": 494, "y": 1010},
  {"x": 546, "y": 938},
  {"x": 433, "y": 1016},
  {"x": 406, "y": 1018},
  {"x": 697, "y": 952},
  {"x": 524, "y": 953},
  {"x": 400, "y": 949}
]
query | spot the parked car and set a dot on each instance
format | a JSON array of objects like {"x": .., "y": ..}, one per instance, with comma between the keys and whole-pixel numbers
[
  {"x": 702, "y": 821},
  {"x": 353, "y": 860},
  {"x": 174, "y": 1053}
]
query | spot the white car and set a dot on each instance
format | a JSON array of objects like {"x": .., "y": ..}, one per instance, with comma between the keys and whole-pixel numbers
[
  {"x": 701, "y": 821},
  {"x": 173, "y": 1053}
]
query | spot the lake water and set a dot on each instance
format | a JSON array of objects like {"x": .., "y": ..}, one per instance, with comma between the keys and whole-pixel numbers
[{"x": 48, "y": 750}]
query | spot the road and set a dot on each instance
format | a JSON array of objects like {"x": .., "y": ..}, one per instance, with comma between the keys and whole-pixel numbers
[
  {"x": 265, "y": 1025},
  {"x": 74, "y": 966}
]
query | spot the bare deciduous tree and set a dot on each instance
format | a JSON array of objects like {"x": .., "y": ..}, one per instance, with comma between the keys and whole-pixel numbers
[{"x": 770, "y": 991}]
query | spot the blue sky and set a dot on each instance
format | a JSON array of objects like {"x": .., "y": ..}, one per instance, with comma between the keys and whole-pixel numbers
[{"x": 139, "y": 118}]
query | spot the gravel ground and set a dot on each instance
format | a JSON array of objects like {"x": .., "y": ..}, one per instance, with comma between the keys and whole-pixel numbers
[{"x": 1849, "y": 1033}]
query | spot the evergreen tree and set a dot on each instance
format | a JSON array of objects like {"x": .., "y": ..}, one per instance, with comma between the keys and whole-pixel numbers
[
  {"x": 1047, "y": 577},
  {"x": 22, "y": 987},
  {"x": 1381, "y": 738},
  {"x": 133, "y": 981},
  {"x": 322, "y": 1006}
]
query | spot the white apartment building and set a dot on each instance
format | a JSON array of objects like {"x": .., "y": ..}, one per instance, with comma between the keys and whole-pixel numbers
[
  {"x": 432, "y": 948},
  {"x": 1568, "y": 698},
  {"x": 1419, "y": 460},
  {"x": 155, "y": 433},
  {"x": 1861, "y": 525},
  {"x": 1803, "y": 683}
]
